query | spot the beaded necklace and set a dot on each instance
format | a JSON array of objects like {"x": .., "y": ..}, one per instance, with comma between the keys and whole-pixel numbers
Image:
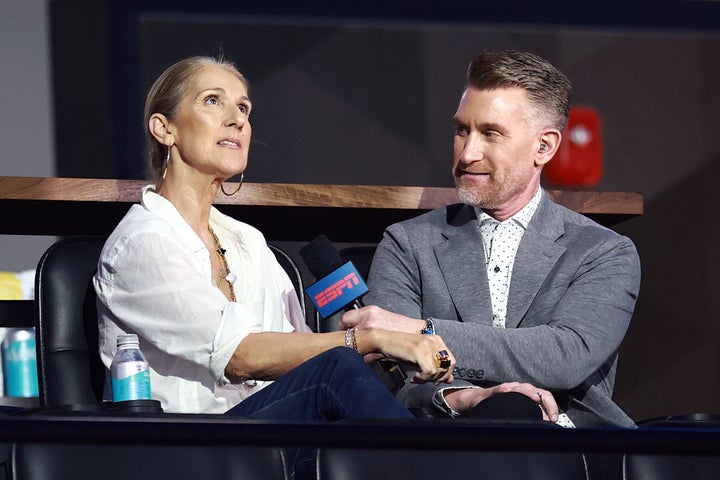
[
  {"x": 224, "y": 272},
  {"x": 230, "y": 278}
]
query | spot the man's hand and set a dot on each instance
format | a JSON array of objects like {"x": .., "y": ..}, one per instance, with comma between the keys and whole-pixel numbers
[
  {"x": 465, "y": 399},
  {"x": 419, "y": 350},
  {"x": 375, "y": 317}
]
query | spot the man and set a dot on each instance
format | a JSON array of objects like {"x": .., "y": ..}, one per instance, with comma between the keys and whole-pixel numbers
[{"x": 521, "y": 289}]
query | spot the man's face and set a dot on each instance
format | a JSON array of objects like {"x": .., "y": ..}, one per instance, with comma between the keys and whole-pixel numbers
[{"x": 496, "y": 142}]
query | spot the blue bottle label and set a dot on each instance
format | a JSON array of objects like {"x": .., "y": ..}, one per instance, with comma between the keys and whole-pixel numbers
[
  {"x": 133, "y": 387},
  {"x": 20, "y": 369}
]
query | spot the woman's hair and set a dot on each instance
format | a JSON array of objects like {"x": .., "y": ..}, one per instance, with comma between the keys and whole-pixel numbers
[
  {"x": 166, "y": 94},
  {"x": 547, "y": 88}
]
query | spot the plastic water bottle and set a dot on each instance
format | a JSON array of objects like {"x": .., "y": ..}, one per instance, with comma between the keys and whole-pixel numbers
[
  {"x": 129, "y": 371},
  {"x": 20, "y": 363}
]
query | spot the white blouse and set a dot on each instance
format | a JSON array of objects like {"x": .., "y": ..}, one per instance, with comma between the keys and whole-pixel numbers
[{"x": 154, "y": 279}]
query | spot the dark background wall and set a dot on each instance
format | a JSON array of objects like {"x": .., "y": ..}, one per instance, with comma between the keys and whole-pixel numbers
[
  {"x": 26, "y": 121},
  {"x": 363, "y": 95}
]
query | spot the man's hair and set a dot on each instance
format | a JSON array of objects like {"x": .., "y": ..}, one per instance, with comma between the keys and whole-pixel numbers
[{"x": 547, "y": 88}]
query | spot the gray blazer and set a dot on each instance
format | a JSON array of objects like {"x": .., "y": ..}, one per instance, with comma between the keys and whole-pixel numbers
[{"x": 573, "y": 291}]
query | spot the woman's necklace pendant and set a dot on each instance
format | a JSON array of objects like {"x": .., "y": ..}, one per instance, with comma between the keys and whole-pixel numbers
[{"x": 224, "y": 270}]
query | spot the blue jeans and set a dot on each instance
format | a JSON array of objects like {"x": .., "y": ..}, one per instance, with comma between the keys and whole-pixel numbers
[{"x": 333, "y": 385}]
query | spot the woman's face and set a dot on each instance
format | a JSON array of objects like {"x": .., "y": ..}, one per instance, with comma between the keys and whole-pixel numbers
[{"x": 211, "y": 128}]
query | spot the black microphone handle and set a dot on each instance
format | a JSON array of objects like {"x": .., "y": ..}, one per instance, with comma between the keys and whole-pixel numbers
[{"x": 356, "y": 304}]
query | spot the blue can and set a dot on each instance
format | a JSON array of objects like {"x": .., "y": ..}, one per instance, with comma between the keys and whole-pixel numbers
[{"x": 20, "y": 363}]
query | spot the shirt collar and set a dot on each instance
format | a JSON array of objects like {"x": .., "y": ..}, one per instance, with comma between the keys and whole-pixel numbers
[
  {"x": 522, "y": 217},
  {"x": 162, "y": 207}
]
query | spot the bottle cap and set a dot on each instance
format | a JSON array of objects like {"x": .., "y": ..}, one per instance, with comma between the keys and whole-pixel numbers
[{"x": 127, "y": 339}]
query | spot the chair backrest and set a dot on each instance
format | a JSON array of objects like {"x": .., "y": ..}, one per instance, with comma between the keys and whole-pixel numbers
[
  {"x": 361, "y": 256},
  {"x": 350, "y": 464},
  {"x": 70, "y": 373},
  {"x": 291, "y": 268},
  {"x": 670, "y": 467},
  {"x": 638, "y": 466},
  {"x": 111, "y": 461},
  {"x": 6, "y": 450}
]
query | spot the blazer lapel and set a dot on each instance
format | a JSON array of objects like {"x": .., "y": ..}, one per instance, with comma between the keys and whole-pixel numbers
[
  {"x": 536, "y": 256},
  {"x": 462, "y": 262}
]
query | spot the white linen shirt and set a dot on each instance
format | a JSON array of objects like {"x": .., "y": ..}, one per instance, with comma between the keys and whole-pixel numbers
[{"x": 154, "y": 279}]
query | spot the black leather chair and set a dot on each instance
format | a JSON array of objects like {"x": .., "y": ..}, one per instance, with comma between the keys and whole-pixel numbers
[
  {"x": 5, "y": 461},
  {"x": 685, "y": 420},
  {"x": 673, "y": 466},
  {"x": 70, "y": 373},
  {"x": 53, "y": 461},
  {"x": 670, "y": 467},
  {"x": 435, "y": 464},
  {"x": 361, "y": 256},
  {"x": 293, "y": 272}
]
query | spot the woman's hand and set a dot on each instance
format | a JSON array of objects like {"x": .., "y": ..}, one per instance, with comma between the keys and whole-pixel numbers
[
  {"x": 462, "y": 400},
  {"x": 427, "y": 353},
  {"x": 398, "y": 337}
]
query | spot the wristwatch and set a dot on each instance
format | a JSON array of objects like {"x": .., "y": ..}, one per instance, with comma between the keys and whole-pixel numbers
[{"x": 429, "y": 328}]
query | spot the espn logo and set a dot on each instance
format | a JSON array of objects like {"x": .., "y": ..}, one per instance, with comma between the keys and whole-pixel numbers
[{"x": 336, "y": 289}]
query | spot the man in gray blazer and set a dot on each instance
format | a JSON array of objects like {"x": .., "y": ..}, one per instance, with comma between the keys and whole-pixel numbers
[{"x": 520, "y": 288}]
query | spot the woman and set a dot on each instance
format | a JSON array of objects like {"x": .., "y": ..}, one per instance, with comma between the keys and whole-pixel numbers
[{"x": 218, "y": 319}]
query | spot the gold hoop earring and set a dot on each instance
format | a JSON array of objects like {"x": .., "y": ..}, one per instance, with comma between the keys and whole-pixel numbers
[
  {"x": 222, "y": 186},
  {"x": 167, "y": 161}
]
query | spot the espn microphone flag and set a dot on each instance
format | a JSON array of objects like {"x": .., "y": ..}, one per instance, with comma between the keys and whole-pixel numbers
[
  {"x": 340, "y": 288},
  {"x": 337, "y": 290}
]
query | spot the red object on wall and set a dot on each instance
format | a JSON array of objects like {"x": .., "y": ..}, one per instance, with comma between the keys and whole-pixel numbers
[{"x": 579, "y": 160}]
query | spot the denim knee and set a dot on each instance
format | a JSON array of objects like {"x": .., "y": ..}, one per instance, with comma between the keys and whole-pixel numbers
[{"x": 342, "y": 358}]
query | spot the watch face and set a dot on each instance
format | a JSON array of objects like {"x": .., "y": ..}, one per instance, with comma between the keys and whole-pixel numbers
[{"x": 429, "y": 328}]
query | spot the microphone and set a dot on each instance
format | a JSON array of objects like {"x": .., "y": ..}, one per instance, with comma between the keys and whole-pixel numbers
[{"x": 339, "y": 286}]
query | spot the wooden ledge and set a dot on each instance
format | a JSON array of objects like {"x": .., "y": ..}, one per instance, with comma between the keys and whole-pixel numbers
[
  {"x": 299, "y": 195},
  {"x": 356, "y": 213}
]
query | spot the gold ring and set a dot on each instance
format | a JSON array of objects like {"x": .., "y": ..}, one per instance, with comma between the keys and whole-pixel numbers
[{"x": 442, "y": 359}]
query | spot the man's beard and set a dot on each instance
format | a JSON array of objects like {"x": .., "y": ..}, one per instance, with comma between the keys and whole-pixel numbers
[{"x": 491, "y": 196}]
